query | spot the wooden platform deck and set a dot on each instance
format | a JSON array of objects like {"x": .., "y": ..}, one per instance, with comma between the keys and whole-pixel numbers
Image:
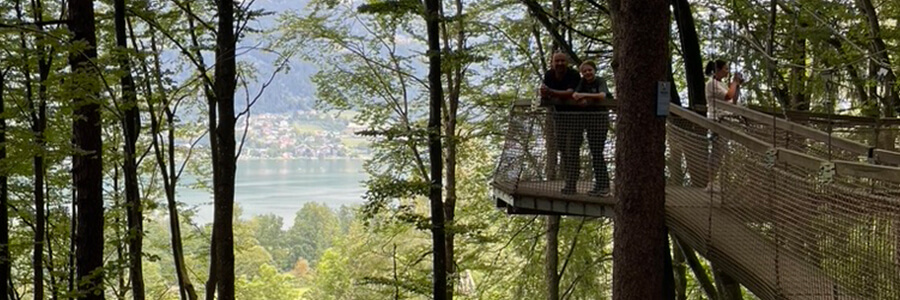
[
  {"x": 744, "y": 253},
  {"x": 696, "y": 218}
]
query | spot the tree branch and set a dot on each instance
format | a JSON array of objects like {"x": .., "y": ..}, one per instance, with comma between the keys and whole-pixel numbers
[{"x": 541, "y": 15}]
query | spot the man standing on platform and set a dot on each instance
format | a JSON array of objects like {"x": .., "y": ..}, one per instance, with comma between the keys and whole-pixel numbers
[
  {"x": 559, "y": 82},
  {"x": 556, "y": 92}
]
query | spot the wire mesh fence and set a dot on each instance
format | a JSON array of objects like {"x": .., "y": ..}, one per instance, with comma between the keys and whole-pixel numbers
[{"x": 569, "y": 153}]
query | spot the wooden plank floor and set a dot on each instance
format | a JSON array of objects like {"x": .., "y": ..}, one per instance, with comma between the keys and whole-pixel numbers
[
  {"x": 721, "y": 237},
  {"x": 744, "y": 253}
]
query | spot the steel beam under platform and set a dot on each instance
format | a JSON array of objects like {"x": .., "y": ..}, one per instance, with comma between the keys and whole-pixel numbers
[{"x": 534, "y": 198}]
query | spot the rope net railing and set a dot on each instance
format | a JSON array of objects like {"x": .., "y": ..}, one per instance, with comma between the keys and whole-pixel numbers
[
  {"x": 877, "y": 132},
  {"x": 854, "y": 136},
  {"x": 791, "y": 136},
  {"x": 823, "y": 225},
  {"x": 797, "y": 219}
]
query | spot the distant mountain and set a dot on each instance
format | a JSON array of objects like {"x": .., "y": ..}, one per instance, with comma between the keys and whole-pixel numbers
[{"x": 291, "y": 91}]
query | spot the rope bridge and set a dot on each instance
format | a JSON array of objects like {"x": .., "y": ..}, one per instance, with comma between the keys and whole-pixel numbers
[{"x": 789, "y": 211}]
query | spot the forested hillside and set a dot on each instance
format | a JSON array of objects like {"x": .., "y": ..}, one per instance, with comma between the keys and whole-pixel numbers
[
  {"x": 292, "y": 89},
  {"x": 105, "y": 106}
]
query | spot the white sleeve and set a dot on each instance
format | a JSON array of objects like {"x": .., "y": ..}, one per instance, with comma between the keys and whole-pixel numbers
[
  {"x": 722, "y": 90},
  {"x": 715, "y": 90},
  {"x": 710, "y": 91}
]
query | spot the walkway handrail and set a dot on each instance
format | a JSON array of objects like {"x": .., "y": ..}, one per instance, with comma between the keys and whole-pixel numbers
[
  {"x": 818, "y": 117},
  {"x": 610, "y": 103},
  {"x": 886, "y": 156},
  {"x": 857, "y": 148},
  {"x": 841, "y": 167},
  {"x": 804, "y": 131}
]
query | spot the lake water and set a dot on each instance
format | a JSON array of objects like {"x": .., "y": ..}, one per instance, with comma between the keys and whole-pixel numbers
[{"x": 281, "y": 187}]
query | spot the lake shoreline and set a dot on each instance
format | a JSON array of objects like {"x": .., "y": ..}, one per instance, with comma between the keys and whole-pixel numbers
[{"x": 282, "y": 186}]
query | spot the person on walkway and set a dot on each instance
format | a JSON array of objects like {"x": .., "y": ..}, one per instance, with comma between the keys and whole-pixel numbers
[
  {"x": 717, "y": 91},
  {"x": 591, "y": 90}
]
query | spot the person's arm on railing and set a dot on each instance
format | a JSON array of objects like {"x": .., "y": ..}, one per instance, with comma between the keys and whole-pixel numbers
[
  {"x": 590, "y": 96},
  {"x": 559, "y": 94},
  {"x": 601, "y": 96},
  {"x": 550, "y": 96}
]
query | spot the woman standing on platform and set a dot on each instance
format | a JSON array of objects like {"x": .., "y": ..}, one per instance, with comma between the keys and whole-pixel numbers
[
  {"x": 717, "y": 91},
  {"x": 595, "y": 120}
]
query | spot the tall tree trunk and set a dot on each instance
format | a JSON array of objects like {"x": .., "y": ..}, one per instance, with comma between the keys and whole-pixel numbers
[
  {"x": 799, "y": 100},
  {"x": 542, "y": 55},
  {"x": 693, "y": 69},
  {"x": 184, "y": 278},
  {"x": 537, "y": 11},
  {"x": 455, "y": 74},
  {"x": 778, "y": 95},
  {"x": 225, "y": 80},
  {"x": 798, "y": 78},
  {"x": 39, "y": 218},
  {"x": 120, "y": 245},
  {"x": 450, "y": 213},
  {"x": 436, "y": 97},
  {"x": 729, "y": 289},
  {"x": 551, "y": 256},
  {"x": 640, "y": 29},
  {"x": 690, "y": 49},
  {"x": 39, "y": 124},
  {"x": 556, "y": 11},
  {"x": 858, "y": 83},
  {"x": 167, "y": 168},
  {"x": 879, "y": 50},
  {"x": 54, "y": 283},
  {"x": 880, "y": 53},
  {"x": 872, "y": 88},
  {"x": 170, "y": 179},
  {"x": 212, "y": 119},
  {"x": 131, "y": 127},
  {"x": 5, "y": 258},
  {"x": 770, "y": 50},
  {"x": 699, "y": 272},
  {"x": 37, "y": 113},
  {"x": 551, "y": 261},
  {"x": 680, "y": 270},
  {"x": 87, "y": 164}
]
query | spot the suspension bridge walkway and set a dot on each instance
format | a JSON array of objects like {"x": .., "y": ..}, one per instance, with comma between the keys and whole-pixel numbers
[{"x": 799, "y": 210}]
